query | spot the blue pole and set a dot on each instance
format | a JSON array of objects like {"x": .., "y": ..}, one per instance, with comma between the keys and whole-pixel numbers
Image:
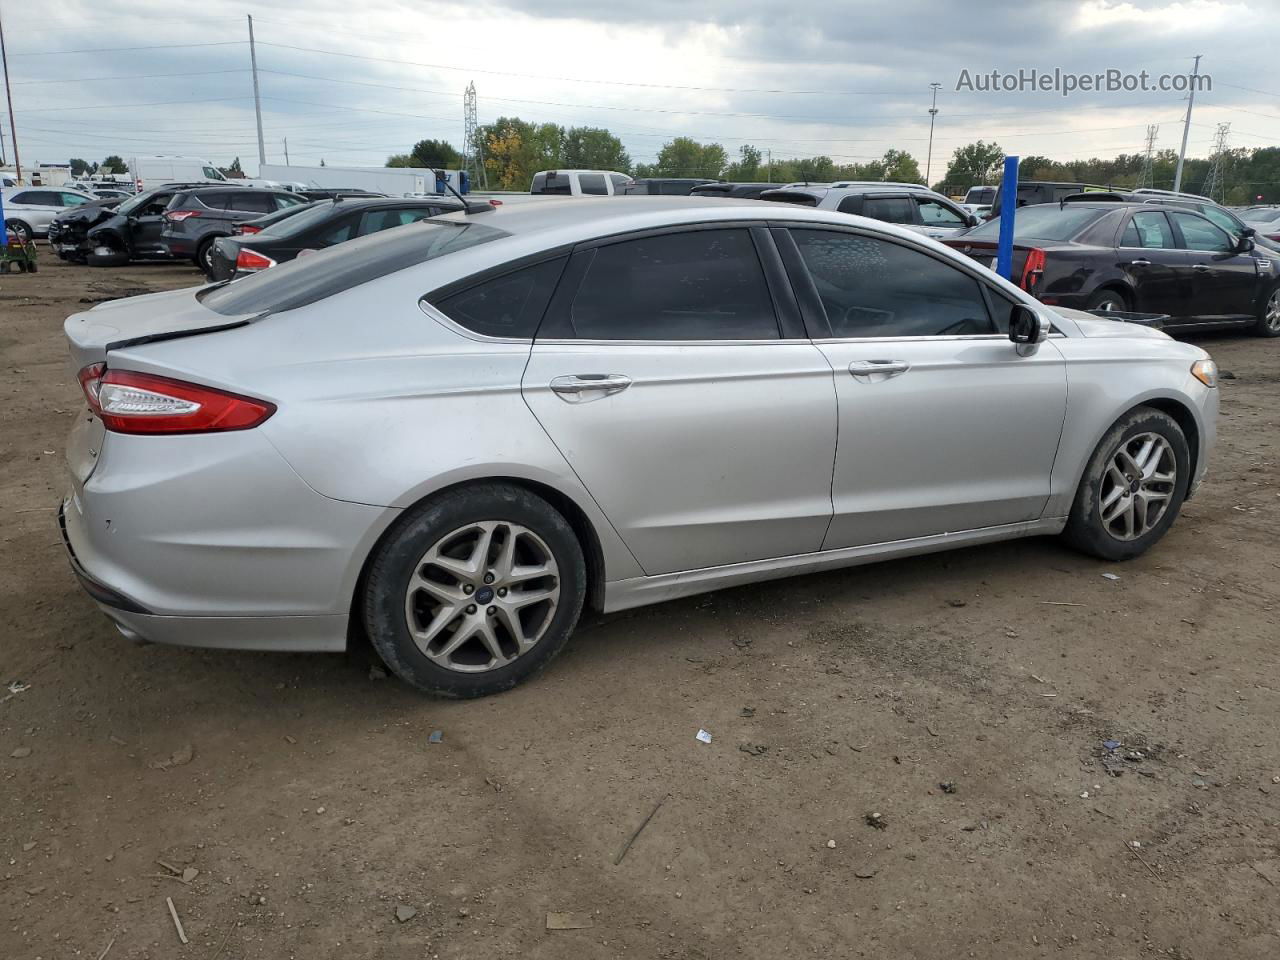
[
  {"x": 4, "y": 229},
  {"x": 1008, "y": 208}
]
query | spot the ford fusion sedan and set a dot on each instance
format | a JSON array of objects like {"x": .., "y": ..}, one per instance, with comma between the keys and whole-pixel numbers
[
  {"x": 1129, "y": 257},
  {"x": 456, "y": 435}
]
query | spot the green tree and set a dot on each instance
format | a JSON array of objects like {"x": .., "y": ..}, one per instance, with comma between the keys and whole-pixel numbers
[
  {"x": 82, "y": 168},
  {"x": 399, "y": 160},
  {"x": 114, "y": 164},
  {"x": 685, "y": 157},
  {"x": 233, "y": 172},
  {"x": 514, "y": 150},
  {"x": 594, "y": 148},
  {"x": 747, "y": 167},
  {"x": 974, "y": 163},
  {"x": 900, "y": 167},
  {"x": 435, "y": 154}
]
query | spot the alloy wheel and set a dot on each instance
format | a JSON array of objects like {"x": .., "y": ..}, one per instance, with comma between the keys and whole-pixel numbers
[
  {"x": 1272, "y": 316},
  {"x": 482, "y": 596},
  {"x": 1137, "y": 486}
]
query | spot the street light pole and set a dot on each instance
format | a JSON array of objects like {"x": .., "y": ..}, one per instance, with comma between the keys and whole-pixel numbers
[
  {"x": 257, "y": 100},
  {"x": 933, "y": 113},
  {"x": 1186, "y": 127},
  {"x": 13, "y": 131}
]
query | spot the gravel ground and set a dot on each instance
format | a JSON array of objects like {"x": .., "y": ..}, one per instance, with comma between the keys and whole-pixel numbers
[{"x": 304, "y": 793}]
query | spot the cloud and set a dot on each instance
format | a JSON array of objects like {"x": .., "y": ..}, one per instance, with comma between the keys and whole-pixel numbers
[{"x": 849, "y": 80}]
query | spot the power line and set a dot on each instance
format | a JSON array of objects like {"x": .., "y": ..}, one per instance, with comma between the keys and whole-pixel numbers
[
  {"x": 134, "y": 76},
  {"x": 121, "y": 106},
  {"x": 159, "y": 46}
]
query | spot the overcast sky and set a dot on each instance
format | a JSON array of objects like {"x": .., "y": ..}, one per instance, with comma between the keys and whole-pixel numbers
[{"x": 844, "y": 78}]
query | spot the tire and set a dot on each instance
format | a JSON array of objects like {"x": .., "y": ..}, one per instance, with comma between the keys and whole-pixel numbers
[
  {"x": 32, "y": 266},
  {"x": 452, "y": 526},
  {"x": 204, "y": 257},
  {"x": 21, "y": 229},
  {"x": 1109, "y": 299},
  {"x": 115, "y": 258},
  {"x": 1268, "y": 324},
  {"x": 1087, "y": 527}
]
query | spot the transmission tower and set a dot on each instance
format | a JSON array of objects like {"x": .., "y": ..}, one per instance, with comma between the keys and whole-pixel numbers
[
  {"x": 1147, "y": 178},
  {"x": 1215, "y": 185},
  {"x": 473, "y": 155}
]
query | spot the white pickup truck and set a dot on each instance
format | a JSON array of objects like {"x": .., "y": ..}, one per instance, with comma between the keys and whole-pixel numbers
[{"x": 579, "y": 183}]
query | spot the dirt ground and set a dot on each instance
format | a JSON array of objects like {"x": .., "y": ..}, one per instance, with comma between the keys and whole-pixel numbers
[{"x": 309, "y": 799}]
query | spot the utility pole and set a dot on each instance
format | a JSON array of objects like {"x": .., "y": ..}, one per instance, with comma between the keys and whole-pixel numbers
[
  {"x": 1186, "y": 127},
  {"x": 286, "y": 151},
  {"x": 933, "y": 113},
  {"x": 13, "y": 131},
  {"x": 257, "y": 100},
  {"x": 1147, "y": 178}
]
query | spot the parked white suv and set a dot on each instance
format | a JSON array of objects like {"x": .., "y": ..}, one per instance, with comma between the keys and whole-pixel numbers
[
  {"x": 910, "y": 205},
  {"x": 28, "y": 210},
  {"x": 579, "y": 183}
]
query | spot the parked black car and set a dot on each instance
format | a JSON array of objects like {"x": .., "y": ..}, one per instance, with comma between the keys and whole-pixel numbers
[
  {"x": 665, "y": 186},
  {"x": 320, "y": 226},
  {"x": 737, "y": 191},
  {"x": 249, "y": 227},
  {"x": 1224, "y": 218},
  {"x": 110, "y": 233},
  {"x": 335, "y": 193},
  {"x": 196, "y": 218},
  {"x": 1135, "y": 257}
]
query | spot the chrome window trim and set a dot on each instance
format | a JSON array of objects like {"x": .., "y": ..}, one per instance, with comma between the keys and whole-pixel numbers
[{"x": 454, "y": 327}]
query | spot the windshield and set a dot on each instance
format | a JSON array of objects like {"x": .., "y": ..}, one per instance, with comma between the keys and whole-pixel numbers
[
  {"x": 134, "y": 202},
  {"x": 274, "y": 225},
  {"x": 346, "y": 265},
  {"x": 1047, "y": 222}
]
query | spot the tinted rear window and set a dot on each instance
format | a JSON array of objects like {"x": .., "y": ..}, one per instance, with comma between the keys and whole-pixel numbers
[
  {"x": 321, "y": 275},
  {"x": 1049, "y": 222},
  {"x": 551, "y": 183}
]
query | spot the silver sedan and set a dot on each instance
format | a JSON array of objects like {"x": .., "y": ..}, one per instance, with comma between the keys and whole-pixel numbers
[{"x": 454, "y": 435}]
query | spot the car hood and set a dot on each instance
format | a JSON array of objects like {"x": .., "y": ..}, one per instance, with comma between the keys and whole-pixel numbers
[
  {"x": 87, "y": 214},
  {"x": 146, "y": 319},
  {"x": 1091, "y": 325}
]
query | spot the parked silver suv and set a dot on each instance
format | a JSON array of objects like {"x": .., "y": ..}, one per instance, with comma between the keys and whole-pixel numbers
[
  {"x": 454, "y": 435},
  {"x": 911, "y": 205}
]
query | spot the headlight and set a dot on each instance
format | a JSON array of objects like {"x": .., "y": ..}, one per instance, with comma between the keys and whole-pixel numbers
[{"x": 1206, "y": 371}]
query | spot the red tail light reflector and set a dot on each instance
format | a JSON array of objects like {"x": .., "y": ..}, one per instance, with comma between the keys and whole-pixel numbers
[
  {"x": 246, "y": 228},
  {"x": 177, "y": 216},
  {"x": 130, "y": 402},
  {"x": 251, "y": 260},
  {"x": 1032, "y": 270}
]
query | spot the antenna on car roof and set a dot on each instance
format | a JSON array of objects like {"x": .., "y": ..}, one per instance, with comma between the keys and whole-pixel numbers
[{"x": 468, "y": 206}]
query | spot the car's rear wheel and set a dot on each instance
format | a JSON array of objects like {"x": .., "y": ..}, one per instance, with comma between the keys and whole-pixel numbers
[
  {"x": 474, "y": 591},
  {"x": 1133, "y": 487},
  {"x": 204, "y": 258},
  {"x": 1112, "y": 301},
  {"x": 1268, "y": 324}
]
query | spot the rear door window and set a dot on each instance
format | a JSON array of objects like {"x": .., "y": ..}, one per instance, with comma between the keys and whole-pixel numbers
[
  {"x": 593, "y": 184},
  {"x": 509, "y": 306},
  {"x": 874, "y": 288},
  {"x": 889, "y": 209},
  {"x": 1149, "y": 229},
  {"x": 691, "y": 285}
]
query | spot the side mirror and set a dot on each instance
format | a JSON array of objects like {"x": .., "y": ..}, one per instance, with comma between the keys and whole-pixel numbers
[
  {"x": 1028, "y": 329},
  {"x": 1245, "y": 244},
  {"x": 972, "y": 220}
]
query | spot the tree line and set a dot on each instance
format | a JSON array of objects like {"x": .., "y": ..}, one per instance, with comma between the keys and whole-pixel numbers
[{"x": 513, "y": 150}]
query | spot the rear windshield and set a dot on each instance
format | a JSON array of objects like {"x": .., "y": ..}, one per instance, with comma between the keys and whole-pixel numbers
[
  {"x": 272, "y": 221},
  {"x": 321, "y": 275},
  {"x": 557, "y": 183},
  {"x": 1048, "y": 222},
  {"x": 318, "y": 212}
]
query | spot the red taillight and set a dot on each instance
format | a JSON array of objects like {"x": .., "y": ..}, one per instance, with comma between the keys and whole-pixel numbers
[
  {"x": 177, "y": 216},
  {"x": 129, "y": 402},
  {"x": 250, "y": 260},
  {"x": 246, "y": 228},
  {"x": 1032, "y": 270}
]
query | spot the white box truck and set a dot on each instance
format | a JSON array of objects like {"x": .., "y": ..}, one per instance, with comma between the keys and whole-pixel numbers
[
  {"x": 393, "y": 181},
  {"x": 156, "y": 171}
]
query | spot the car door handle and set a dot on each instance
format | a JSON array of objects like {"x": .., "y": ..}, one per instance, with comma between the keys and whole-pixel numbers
[
  {"x": 1139, "y": 263},
  {"x": 878, "y": 368},
  {"x": 582, "y": 388},
  {"x": 1201, "y": 268}
]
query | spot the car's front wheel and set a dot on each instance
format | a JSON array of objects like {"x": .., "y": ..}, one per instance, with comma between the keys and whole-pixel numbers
[
  {"x": 1109, "y": 301},
  {"x": 1132, "y": 488},
  {"x": 475, "y": 590},
  {"x": 21, "y": 230}
]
